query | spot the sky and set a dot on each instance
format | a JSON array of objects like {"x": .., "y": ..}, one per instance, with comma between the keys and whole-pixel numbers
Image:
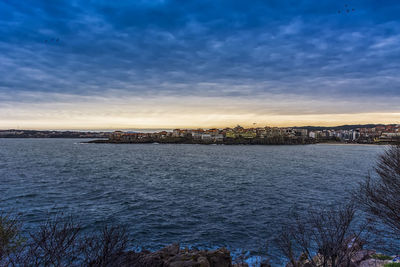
[{"x": 67, "y": 64}]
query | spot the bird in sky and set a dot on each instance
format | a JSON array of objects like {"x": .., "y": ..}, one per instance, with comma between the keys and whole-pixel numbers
[
  {"x": 52, "y": 40},
  {"x": 346, "y": 9}
]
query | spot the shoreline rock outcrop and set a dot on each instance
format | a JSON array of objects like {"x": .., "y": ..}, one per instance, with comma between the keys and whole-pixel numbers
[
  {"x": 362, "y": 258},
  {"x": 174, "y": 256}
]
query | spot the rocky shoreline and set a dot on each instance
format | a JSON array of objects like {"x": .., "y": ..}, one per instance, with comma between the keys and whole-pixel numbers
[
  {"x": 174, "y": 256},
  {"x": 362, "y": 258}
]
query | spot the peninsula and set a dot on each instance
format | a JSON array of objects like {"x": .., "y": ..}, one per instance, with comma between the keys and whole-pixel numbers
[{"x": 381, "y": 134}]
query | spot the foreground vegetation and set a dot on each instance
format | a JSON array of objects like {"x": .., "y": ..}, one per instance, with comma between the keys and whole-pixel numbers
[
  {"x": 59, "y": 242},
  {"x": 336, "y": 237}
]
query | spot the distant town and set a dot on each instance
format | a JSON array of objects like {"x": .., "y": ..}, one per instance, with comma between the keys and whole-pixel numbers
[
  {"x": 365, "y": 134},
  {"x": 362, "y": 134},
  {"x": 52, "y": 134}
]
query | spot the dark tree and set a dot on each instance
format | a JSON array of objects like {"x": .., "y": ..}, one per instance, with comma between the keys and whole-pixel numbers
[
  {"x": 105, "y": 248},
  {"x": 322, "y": 238},
  {"x": 60, "y": 242},
  {"x": 380, "y": 194},
  {"x": 54, "y": 244}
]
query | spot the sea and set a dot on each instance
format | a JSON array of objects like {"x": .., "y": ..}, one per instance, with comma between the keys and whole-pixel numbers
[{"x": 203, "y": 196}]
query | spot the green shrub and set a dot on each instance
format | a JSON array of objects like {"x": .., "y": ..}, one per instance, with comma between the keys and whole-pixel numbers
[
  {"x": 381, "y": 257},
  {"x": 393, "y": 264}
]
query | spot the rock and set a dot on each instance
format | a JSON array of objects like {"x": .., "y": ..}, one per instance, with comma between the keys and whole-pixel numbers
[
  {"x": 219, "y": 258},
  {"x": 170, "y": 250},
  {"x": 203, "y": 262},
  {"x": 318, "y": 259},
  {"x": 362, "y": 255},
  {"x": 265, "y": 264},
  {"x": 374, "y": 263},
  {"x": 172, "y": 256},
  {"x": 188, "y": 263}
]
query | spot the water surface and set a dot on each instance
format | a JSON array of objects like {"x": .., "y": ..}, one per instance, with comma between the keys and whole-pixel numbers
[{"x": 198, "y": 195}]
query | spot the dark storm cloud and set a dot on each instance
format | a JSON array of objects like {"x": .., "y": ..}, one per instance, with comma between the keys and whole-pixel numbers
[{"x": 200, "y": 48}]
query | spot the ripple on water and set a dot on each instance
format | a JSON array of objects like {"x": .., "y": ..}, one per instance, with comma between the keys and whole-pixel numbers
[{"x": 203, "y": 196}]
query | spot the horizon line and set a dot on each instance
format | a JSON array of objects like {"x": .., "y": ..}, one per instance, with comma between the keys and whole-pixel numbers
[{"x": 194, "y": 128}]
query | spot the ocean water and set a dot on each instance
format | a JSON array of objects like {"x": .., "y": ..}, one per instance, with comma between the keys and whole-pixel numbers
[{"x": 198, "y": 195}]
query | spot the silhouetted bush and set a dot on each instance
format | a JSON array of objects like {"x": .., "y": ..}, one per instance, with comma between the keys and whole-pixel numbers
[
  {"x": 322, "y": 238},
  {"x": 104, "y": 248},
  {"x": 59, "y": 242},
  {"x": 380, "y": 196},
  {"x": 56, "y": 243}
]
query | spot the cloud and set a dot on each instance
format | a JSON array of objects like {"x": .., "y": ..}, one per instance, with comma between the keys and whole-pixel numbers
[{"x": 211, "y": 52}]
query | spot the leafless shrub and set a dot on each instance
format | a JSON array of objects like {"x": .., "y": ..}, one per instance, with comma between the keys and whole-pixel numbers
[
  {"x": 380, "y": 196},
  {"x": 104, "y": 248},
  {"x": 323, "y": 238},
  {"x": 60, "y": 242},
  {"x": 54, "y": 244},
  {"x": 11, "y": 241},
  {"x": 288, "y": 246}
]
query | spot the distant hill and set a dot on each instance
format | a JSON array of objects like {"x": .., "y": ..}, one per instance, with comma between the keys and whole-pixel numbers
[{"x": 342, "y": 127}]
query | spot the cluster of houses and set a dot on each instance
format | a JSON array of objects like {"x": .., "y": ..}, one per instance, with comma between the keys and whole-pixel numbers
[
  {"x": 237, "y": 132},
  {"x": 372, "y": 134},
  {"x": 377, "y": 134},
  {"x": 217, "y": 135},
  {"x": 384, "y": 133}
]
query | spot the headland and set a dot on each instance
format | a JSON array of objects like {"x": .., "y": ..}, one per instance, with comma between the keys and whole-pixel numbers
[{"x": 238, "y": 135}]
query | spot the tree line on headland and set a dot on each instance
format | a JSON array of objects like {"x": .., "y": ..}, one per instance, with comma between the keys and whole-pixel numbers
[
  {"x": 259, "y": 136},
  {"x": 341, "y": 236},
  {"x": 276, "y": 140}
]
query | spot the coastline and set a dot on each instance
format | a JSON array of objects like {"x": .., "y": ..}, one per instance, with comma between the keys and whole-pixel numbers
[
  {"x": 288, "y": 141},
  {"x": 350, "y": 144},
  {"x": 237, "y": 142}
]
